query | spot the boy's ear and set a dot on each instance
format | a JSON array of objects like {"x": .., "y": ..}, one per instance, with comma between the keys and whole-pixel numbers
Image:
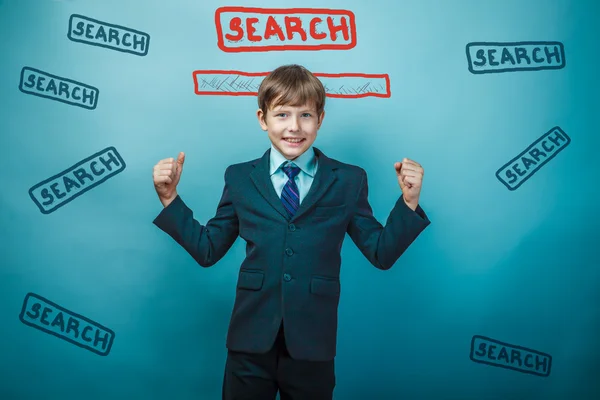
[
  {"x": 262, "y": 119},
  {"x": 321, "y": 117}
]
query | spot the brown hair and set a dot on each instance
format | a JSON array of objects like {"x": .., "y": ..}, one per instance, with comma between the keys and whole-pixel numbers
[{"x": 291, "y": 85}]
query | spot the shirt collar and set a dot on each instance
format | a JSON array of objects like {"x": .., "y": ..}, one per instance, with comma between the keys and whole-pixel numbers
[{"x": 307, "y": 162}]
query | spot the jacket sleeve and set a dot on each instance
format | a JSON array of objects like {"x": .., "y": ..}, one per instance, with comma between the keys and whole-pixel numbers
[
  {"x": 383, "y": 245},
  {"x": 207, "y": 244}
]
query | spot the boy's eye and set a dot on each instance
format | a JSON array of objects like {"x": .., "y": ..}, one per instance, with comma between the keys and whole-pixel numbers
[{"x": 307, "y": 115}]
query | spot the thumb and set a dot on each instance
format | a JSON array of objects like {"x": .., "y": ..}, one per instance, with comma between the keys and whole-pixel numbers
[
  {"x": 398, "y": 167},
  {"x": 181, "y": 158}
]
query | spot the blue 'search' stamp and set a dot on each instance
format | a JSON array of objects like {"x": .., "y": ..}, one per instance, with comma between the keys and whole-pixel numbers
[
  {"x": 64, "y": 187},
  {"x": 39, "y": 83},
  {"x": 517, "y": 358},
  {"x": 49, "y": 317},
  {"x": 103, "y": 34},
  {"x": 496, "y": 57},
  {"x": 522, "y": 167}
]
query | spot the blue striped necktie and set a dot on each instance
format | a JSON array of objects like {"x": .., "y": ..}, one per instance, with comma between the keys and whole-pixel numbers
[{"x": 290, "y": 196}]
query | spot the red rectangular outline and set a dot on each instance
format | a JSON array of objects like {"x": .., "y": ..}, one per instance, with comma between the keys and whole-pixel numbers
[
  {"x": 289, "y": 11},
  {"x": 387, "y": 94}
]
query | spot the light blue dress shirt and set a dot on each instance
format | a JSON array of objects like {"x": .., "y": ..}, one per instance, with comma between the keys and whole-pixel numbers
[{"x": 307, "y": 163}]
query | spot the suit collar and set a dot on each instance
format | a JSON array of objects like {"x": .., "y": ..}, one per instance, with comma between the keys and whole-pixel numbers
[{"x": 324, "y": 178}]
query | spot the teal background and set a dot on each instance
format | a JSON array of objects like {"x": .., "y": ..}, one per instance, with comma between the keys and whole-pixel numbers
[{"x": 517, "y": 266}]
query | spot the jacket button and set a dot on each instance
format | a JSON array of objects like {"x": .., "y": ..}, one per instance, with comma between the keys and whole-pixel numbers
[
  {"x": 292, "y": 227},
  {"x": 287, "y": 277},
  {"x": 289, "y": 251}
]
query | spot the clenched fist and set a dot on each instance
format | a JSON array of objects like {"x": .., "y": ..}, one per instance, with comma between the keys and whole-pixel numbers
[
  {"x": 166, "y": 176},
  {"x": 410, "y": 178}
]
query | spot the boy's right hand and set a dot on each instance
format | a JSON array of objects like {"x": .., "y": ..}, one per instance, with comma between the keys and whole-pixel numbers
[{"x": 166, "y": 176}]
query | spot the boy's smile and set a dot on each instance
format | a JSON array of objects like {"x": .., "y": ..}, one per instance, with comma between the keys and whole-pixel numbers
[{"x": 292, "y": 130}]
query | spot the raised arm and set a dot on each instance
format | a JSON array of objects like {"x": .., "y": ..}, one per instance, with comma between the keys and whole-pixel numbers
[
  {"x": 383, "y": 245},
  {"x": 207, "y": 244}
]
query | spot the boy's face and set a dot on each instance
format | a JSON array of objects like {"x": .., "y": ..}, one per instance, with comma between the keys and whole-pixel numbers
[{"x": 292, "y": 130}]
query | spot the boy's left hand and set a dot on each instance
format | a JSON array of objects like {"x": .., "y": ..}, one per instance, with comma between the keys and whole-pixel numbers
[{"x": 410, "y": 178}]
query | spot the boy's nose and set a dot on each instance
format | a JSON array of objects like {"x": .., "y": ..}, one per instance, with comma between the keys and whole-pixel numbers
[{"x": 294, "y": 126}]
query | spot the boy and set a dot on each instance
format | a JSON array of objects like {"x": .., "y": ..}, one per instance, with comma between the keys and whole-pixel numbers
[{"x": 293, "y": 206}]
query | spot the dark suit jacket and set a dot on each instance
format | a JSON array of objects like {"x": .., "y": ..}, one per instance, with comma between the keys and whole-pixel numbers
[{"x": 292, "y": 267}]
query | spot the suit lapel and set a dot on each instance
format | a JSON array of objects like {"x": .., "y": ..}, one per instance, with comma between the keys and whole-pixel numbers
[
  {"x": 324, "y": 178},
  {"x": 262, "y": 180}
]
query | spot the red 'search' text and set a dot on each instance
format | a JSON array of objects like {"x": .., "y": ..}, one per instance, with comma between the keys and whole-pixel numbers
[{"x": 242, "y": 29}]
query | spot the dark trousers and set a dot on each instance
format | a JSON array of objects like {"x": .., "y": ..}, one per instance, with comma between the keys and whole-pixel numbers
[{"x": 260, "y": 376}]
